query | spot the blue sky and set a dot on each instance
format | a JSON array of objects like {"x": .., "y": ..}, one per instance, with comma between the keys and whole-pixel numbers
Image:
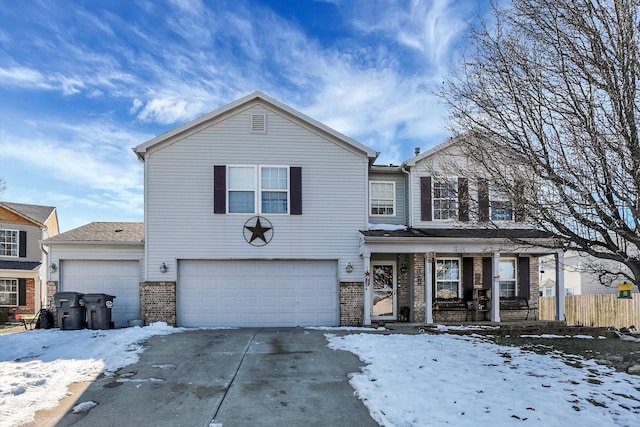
[{"x": 82, "y": 82}]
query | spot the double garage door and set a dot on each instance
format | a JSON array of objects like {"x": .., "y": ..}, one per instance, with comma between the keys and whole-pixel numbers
[
  {"x": 118, "y": 278},
  {"x": 257, "y": 293}
]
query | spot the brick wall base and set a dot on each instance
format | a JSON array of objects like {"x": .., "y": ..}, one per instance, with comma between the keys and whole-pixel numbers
[
  {"x": 158, "y": 302},
  {"x": 30, "y": 308},
  {"x": 351, "y": 304}
]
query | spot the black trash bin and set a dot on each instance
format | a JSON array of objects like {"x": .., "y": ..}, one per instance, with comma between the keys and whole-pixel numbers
[
  {"x": 71, "y": 313},
  {"x": 98, "y": 308}
]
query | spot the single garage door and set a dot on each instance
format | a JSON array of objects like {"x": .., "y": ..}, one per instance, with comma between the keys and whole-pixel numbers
[
  {"x": 257, "y": 293},
  {"x": 118, "y": 278}
]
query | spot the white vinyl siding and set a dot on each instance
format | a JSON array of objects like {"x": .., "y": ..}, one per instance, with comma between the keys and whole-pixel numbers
[{"x": 179, "y": 196}]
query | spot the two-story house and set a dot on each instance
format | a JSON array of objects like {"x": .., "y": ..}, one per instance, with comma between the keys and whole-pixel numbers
[
  {"x": 23, "y": 262},
  {"x": 257, "y": 215},
  {"x": 461, "y": 255}
]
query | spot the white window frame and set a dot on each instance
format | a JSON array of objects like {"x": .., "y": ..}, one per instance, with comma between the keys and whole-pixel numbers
[
  {"x": 500, "y": 197},
  {"x": 372, "y": 199},
  {"x": 452, "y": 212},
  {"x": 241, "y": 189},
  {"x": 448, "y": 280},
  {"x": 5, "y": 247},
  {"x": 513, "y": 280},
  {"x": 258, "y": 190},
  {"x": 286, "y": 191},
  {"x": 3, "y": 283}
]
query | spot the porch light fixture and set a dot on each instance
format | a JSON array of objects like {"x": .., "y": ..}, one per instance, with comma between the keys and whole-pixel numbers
[
  {"x": 349, "y": 267},
  {"x": 53, "y": 267},
  {"x": 163, "y": 267}
]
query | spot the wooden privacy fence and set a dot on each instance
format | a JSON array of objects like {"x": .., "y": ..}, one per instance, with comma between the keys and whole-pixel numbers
[{"x": 595, "y": 310}]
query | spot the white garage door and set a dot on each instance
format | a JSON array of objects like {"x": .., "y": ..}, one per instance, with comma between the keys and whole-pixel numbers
[
  {"x": 257, "y": 293},
  {"x": 118, "y": 278}
]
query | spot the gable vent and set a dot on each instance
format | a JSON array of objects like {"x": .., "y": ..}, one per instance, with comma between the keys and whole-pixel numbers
[{"x": 258, "y": 123}]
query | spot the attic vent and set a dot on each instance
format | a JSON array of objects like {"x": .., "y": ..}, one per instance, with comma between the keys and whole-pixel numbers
[{"x": 258, "y": 123}]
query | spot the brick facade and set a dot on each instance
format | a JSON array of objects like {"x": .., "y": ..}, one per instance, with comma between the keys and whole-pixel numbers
[
  {"x": 418, "y": 289},
  {"x": 158, "y": 302},
  {"x": 351, "y": 303},
  {"x": 30, "y": 308}
]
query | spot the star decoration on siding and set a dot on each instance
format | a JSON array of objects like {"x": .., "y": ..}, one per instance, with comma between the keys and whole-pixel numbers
[{"x": 257, "y": 231}]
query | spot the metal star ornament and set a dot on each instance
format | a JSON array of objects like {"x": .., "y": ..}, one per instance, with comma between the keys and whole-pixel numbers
[{"x": 258, "y": 231}]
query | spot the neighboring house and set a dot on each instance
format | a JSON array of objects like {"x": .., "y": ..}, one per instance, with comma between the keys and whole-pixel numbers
[
  {"x": 100, "y": 257},
  {"x": 22, "y": 260},
  {"x": 579, "y": 277},
  {"x": 457, "y": 251},
  {"x": 257, "y": 215}
]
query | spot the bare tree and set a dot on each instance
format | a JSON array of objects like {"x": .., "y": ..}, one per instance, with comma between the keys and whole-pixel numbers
[
  {"x": 2, "y": 187},
  {"x": 548, "y": 90}
]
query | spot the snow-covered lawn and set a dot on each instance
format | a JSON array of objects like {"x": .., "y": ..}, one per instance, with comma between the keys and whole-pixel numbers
[
  {"x": 435, "y": 380},
  {"x": 37, "y": 367},
  {"x": 408, "y": 380}
]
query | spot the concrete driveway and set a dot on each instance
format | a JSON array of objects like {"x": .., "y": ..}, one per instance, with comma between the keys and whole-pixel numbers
[{"x": 229, "y": 377}]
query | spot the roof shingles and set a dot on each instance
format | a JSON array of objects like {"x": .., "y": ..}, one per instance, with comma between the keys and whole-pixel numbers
[{"x": 104, "y": 232}]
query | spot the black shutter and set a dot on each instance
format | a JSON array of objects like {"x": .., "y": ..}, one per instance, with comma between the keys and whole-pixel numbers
[
  {"x": 425, "y": 198},
  {"x": 463, "y": 199},
  {"x": 467, "y": 278},
  {"x": 518, "y": 208},
  {"x": 523, "y": 277},
  {"x": 22, "y": 292},
  {"x": 295, "y": 187},
  {"x": 483, "y": 200},
  {"x": 22, "y": 244},
  {"x": 487, "y": 276},
  {"x": 219, "y": 189}
]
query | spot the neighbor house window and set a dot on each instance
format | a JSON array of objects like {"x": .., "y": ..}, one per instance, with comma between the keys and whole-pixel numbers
[
  {"x": 445, "y": 200},
  {"x": 447, "y": 278},
  {"x": 507, "y": 272},
  {"x": 274, "y": 189},
  {"x": 382, "y": 198},
  {"x": 501, "y": 206},
  {"x": 242, "y": 189},
  {"x": 9, "y": 243},
  {"x": 8, "y": 292}
]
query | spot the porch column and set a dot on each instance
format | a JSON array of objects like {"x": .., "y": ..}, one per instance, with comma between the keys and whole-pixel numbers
[
  {"x": 428, "y": 290},
  {"x": 560, "y": 286},
  {"x": 367, "y": 290},
  {"x": 495, "y": 287}
]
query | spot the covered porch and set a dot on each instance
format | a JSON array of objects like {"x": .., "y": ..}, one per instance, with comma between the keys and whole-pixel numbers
[{"x": 455, "y": 275}]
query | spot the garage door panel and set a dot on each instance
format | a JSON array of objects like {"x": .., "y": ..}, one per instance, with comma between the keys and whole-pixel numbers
[
  {"x": 118, "y": 278},
  {"x": 257, "y": 293}
]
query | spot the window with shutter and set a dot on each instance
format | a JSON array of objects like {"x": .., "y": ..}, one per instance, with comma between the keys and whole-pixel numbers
[
  {"x": 8, "y": 292},
  {"x": 260, "y": 189},
  {"x": 425, "y": 198},
  {"x": 9, "y": 243}
]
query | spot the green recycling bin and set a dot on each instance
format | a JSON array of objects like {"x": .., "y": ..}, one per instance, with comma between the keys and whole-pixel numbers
[{"x": 98, "y": 308}]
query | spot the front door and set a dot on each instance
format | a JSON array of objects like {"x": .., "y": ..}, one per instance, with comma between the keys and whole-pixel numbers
[{"x": 384, "y": 290}]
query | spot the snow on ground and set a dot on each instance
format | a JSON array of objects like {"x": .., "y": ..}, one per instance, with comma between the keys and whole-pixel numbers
[
  {"x": 434, "y": 380},
  {"x": 37, "y": 367},
  {"x": 408, "y": 380}
]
